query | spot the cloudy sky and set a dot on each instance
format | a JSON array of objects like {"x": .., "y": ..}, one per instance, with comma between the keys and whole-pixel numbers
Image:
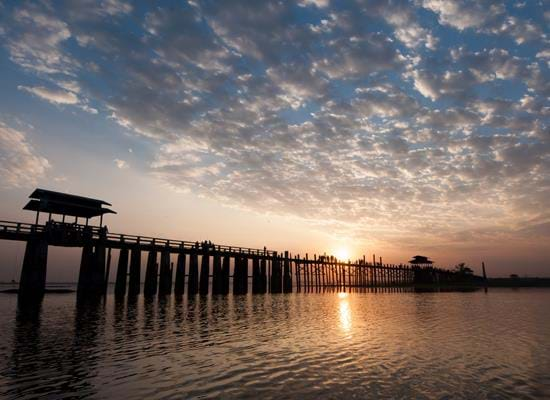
[{"x": 395, "y": 127}]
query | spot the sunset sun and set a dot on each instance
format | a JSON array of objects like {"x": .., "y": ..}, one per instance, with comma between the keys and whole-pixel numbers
[{"x": 342, "y": 253}]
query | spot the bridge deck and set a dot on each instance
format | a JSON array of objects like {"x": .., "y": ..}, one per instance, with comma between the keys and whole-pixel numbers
[{"x": 74, "y": 235}]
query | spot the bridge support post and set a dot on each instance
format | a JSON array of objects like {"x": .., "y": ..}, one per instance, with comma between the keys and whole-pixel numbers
[
  {"x": 91, "y": 279},
  {"x": 225, "y": 275},
  {"x": 151, "y": 274},
  {"x": 305, "y": 267},
  {"x": 256, "y": 277},
  {"x": 98, "y": 270},
  {"x": 205, "y": 273},
  {"x": 122, "y": 271},
  {"x": 217, "y": 279},
  {"x": 244, "y": 275},
  {"x": 86, "y": 265},
  {"x": 287, "y": 277},
  {"x": 240, "y": 275},
  {"x": 193, "y": 280},
  {"x": 276, "y": 275},
  {"x": 297, "y": 273},
  {"x": 165, "y": 277},
  {"x": 236, "y": 275},
  {"x": 263, "y": 275},
  {"x": 179, "y": 286},
  {"x": 32, "y": 283},
  {"x": 134, "y": 284}
]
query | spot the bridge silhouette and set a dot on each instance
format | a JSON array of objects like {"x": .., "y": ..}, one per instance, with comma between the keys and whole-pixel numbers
[{"x": 177, "y": 266}]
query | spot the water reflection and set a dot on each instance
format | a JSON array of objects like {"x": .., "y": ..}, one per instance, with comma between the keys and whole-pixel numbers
[
  {"x": 345, "y": 312},
  {"x": 280, "y": 346}
]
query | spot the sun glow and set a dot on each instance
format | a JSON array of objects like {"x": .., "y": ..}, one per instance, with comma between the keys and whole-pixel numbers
[
  {"x": 345, "y": 313},
  {"x": 342, "y": 254}
]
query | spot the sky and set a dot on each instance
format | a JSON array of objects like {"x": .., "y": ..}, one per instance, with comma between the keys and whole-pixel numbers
[{"x": 388, "y": 127}]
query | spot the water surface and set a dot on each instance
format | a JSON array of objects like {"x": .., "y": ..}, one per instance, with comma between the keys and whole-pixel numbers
[{"x": 307, "y": 346}]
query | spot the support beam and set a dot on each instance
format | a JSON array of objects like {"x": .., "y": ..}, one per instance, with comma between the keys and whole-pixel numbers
[
  {"x": 287, "y": 277},
  {"x": 107, "y": 272},
  {"x": 32, "y": 283},
  {"x": 256, "y": 276},
  {"x": 205, "y": 273},
  {"x": 193, "y": 280},
  {"x": 165, "y": 276},
  {"x": 225, "y": 274},
  {"x": 151, "y": 274},
  {"x": 134, "y": 285},
  {"x": 179, "y": 286},
  {"x": 217, "y": 276},
  {"x": 263, "y": 275},
  {"x": 121, "y": 273}
]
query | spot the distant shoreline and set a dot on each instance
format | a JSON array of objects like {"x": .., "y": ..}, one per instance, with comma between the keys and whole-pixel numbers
[{"x": 518, "y": 282}]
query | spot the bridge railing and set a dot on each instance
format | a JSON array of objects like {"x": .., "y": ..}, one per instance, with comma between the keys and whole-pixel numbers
[
  {"x": 98, "y": 233},
  {"x": 184, "y": 244},
  {"x": 19, "y": 227}
]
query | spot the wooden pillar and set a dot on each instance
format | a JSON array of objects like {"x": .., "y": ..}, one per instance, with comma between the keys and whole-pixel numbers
[
  {"x": 225, "y": 274},
  {"x": 217, "y": 278},
  {"x": 349, "y": 273},
  {"x": 276, "y": 284},
  {"x": 170, "y": 277},
  {"x": 263, "y": 275},
  {"x": 86, "y": 264},
  {"x": 205, "y": 273},
  {"x": 91, "y": 280},
  {"x": 193, "y": 279},
  {"x": 256, "y": 276},
  {"x": 151, "y": 274},
  {"x": 165, "y": 277},
  {"x": 98, "y": 270},
  {"x": 237, "y": 272},
  {"x": 244, "y": 274},
  {"x": 121, "y": 273},
  {"x": 315, "y": 271},
  {"x": 307, "y": 281},
  {"x": 333, "y": 271},
  {"x": 134, "y": 283},
  {"x": 322, "y": 271},
  {"x": 287, "y": 277},
  {"x": 107, "y": 272},
  {"x": 297, "y": 273},
  {"x": 32, "y": 283},
  {"x": 179, "y": 285}
]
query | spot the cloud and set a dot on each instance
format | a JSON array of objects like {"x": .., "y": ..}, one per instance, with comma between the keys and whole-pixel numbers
[
  {"x": 463, "y": 14},
  {"x": 121, "y": 164},
  {"x": 52, "y": 95},
  {"x": 359, "y": 119},
  {"x": 20, "y": 165},
  {"x": 35, "y": 42}
]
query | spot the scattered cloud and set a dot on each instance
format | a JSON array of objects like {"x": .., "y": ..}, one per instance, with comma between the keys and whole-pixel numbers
[
  {"x": 54, "y": 96},
  {"x": 382, "y": 119},
  {"x": 20, "y": 165},
  {"x": 121, "y": 164}
]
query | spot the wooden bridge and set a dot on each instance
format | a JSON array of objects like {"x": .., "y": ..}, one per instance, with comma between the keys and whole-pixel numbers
[{"x": 200, "y": 268}]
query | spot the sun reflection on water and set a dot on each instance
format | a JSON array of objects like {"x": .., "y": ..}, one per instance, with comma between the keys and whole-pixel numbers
[{"x": 345, "y": 312}]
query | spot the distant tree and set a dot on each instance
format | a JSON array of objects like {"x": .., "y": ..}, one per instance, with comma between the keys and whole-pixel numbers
[
  {"x": 463, "y": 269},
  {"x": 514, "y": 276}
]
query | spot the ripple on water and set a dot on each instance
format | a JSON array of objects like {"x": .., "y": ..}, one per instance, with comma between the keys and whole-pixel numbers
[{"x": 308, "y": 346}]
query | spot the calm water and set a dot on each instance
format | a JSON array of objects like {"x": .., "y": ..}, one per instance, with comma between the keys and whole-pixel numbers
[{"x": 307, "y": 346}]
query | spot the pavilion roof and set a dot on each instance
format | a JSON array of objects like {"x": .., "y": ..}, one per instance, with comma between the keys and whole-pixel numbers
[
  {"x": 420, "y": 260},
  {"x": 49, "y": 201}
]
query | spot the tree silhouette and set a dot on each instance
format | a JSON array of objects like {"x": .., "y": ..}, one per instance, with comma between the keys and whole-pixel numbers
[{"x": 463, "y": 269}]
